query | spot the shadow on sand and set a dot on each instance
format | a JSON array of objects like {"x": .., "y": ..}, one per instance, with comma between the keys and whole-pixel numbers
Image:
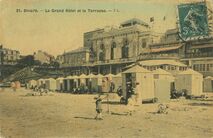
[
  {"x": 201, "y": 104},
  {"x": 111, "y": 102},
  {"x": 122, "y": 114},
  {"x": 154, "y": 113},
  {"x": 88, "y": 118}
]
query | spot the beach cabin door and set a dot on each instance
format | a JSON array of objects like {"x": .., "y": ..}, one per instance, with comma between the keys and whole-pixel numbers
[{"x": 130, "y": 87}]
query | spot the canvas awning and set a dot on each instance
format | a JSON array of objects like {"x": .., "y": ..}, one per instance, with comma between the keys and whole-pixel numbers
[
  {"x": 161, "y": 62},
  {"x": 41, "y": 80},
  {"x": 99, "y": 76},
  {"x": 118, "y": 75},
  {"x": 161, "y": 71},
  {"x": 75, "y": 77},
  {"x": 91, "y": 76},
  {"x": 209, "y": 77},
  {"x": 83, "y": 76},
  {"x": 190, "y": 72},
  {"x": 137, "y": 69},
  {"x": 155, "y": 50},
  {"x": 60, "y": 78},
  {"x": 109, "y": 75},
  {"x": 50, "y": 79},
  {"x": 69, "y": 77}
]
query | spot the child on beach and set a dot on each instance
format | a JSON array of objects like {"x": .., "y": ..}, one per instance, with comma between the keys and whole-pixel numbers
[
  {"x": 98, "y": 104},
  {"x": 130, "y": 105}
]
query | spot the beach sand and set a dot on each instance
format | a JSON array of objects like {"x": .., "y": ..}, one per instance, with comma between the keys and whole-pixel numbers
[{"x": 63, "y": 115}]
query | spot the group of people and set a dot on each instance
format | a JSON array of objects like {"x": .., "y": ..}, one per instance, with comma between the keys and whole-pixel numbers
[
  {"x": 98, "y": 103},
  {"x": 82, "y": 89}
]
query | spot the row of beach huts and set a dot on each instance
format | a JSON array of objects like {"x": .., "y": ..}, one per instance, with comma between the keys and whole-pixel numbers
[{"x": 138, "y": 81}]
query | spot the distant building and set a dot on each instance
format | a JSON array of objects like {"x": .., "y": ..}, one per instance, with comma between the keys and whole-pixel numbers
[
  {"x": 8, "y": 56},
  {"x": 199, "y": 55},
  {"x": 75, "y": 57},
  {"x": 60, "y": 59},
  {"x": 43, "y": 57},
  {"x": 75, "y": 60},
  {"x": 170, "y": 47}
]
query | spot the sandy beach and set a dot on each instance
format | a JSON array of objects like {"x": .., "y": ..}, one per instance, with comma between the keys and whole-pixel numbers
[{"x": 62, "y": 115}]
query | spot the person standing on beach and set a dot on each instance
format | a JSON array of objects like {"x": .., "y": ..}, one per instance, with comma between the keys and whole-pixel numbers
[
  {"x": 98, "y": 104},
  {"x": 112, "y": 86},
  {"x": 130, "y": 105},
  {"x": 13, "y": 86}
]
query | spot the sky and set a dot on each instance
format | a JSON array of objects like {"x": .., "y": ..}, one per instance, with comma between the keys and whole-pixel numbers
[{"x": 56, "y": 33}]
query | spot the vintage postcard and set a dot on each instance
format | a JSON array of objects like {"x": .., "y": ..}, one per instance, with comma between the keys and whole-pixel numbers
[{"x": 111, "y": 69}]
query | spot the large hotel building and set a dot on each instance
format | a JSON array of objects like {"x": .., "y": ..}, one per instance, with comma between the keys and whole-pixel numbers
[{"x": 109, "y": 50}]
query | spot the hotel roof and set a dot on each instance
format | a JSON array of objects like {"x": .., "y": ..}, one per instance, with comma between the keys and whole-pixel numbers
[{"x": 134, "y": 21}]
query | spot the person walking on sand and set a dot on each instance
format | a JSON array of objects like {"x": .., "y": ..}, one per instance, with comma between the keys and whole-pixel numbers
[
  {"x": 13, "y": 86},
  {"x": 98, "y": 104},
  {"x": 130, "y": 105}
]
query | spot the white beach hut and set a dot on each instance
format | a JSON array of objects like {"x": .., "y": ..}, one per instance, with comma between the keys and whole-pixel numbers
[
  {"x": 208, "y": 84},
  {"x": 191, "y": 81},
  {"x": 82, "y": 78},
  {"x": 69, "y": 83},
  {"x": 59, "y": 84},
  {"x": 138, "y": 81},
  {"x": 50, "y": 84},
  {"x": 98, "y": 82},
  {"x": 41, "y": 83},
  {"x": 92, "y": 82},
  {"x": 163, "y": 81},
  {"x": 32, "y": 83}
]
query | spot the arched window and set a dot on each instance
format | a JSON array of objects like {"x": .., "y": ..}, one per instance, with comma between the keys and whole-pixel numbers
[
  {"x": 102, "y": 46},
  {"x": 125, "y": 49},
  {"x": 102, "y": 53},
  {"x": 112, "y": 50},
  {"x": 101, "y": 56}
]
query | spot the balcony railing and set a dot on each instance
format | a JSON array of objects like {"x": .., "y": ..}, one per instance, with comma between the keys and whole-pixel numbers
[
  {"x": 120, "y": 60},
  {"x": 197, "y": 55},
  {"x": 159, "y": 56},
  {"x": 89, "y": 63}
]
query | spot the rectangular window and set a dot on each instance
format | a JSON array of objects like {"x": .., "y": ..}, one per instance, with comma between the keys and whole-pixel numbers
[
  {"x": 207, "y": 67},
  {"x": 144, "y": 43},
  {"x": 204, "y": 67},
  {"x": 148, "y": 68},
  {"x": 199, "y": 67},
  {"x": 194, "y": 67}
]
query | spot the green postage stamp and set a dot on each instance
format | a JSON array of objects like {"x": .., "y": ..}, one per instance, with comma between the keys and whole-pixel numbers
[{"x": 193, "y": 20}]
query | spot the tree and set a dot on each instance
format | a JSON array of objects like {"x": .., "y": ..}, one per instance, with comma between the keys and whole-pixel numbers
[
  {"x": 27, "y": 61},
  {"x": 54, "y": 64}
]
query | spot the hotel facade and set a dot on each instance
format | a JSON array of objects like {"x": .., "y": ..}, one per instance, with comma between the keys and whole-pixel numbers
[{"x": 110, "y": 50}]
